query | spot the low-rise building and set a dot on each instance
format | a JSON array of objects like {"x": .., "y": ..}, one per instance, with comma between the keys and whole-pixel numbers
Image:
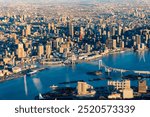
[
  {"x": 127, "y": 93},
  {"x": 16, "y": 69},
  {"x": 114, "y": 96}
]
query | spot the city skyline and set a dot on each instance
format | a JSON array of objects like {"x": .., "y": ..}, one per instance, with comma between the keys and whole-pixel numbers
[{"x": 81, "y": 46}]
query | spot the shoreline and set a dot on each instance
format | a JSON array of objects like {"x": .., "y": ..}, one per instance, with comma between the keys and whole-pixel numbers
[
  {"x": 93, "y": 58},
  {"x": 20, "y": 75}
]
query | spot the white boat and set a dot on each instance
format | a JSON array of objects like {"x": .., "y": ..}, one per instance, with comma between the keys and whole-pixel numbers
[
  {"x": 32, "y": 72},
  {"x": 40, "y": 96},
  {"x": 54, "y": 87}
]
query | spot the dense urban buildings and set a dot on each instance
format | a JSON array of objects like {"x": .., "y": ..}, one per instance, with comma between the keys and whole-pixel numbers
[{"x": 62, "y": 34}]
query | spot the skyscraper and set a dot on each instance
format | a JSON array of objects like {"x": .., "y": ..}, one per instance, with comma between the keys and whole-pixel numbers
[
  {"x": 28, "y": 30},
  {"x": 40, "y": 50},
  {"x": 49, "y": 27},
  {"x": 20, "y": 51},
  {"x": 70, "y": 29},
  {"x": 81, "y": 33},
  {"x": 48, "y": 50},
  {"x": 119, "y": 30},
  {"x": 138, "y": 39},
  {"x": 114, "y": 44}
]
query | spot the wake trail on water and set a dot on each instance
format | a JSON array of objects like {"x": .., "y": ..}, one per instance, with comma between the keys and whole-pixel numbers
[
  {"x": 25, "y": 85},
  {"x": 37, "y": 83}
]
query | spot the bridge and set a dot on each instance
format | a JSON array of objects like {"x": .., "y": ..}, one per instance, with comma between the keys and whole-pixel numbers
[{"x": 109, "y": 69}]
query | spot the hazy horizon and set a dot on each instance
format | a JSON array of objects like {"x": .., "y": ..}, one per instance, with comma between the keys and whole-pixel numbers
[{"x": 69, "y": 1}]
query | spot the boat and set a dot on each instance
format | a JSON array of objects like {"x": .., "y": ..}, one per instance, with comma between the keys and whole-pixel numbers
[
  {"x": 40, "y": 96},
  {"x": 32, "y": 72},
  {"x": 54, "y": 87}
]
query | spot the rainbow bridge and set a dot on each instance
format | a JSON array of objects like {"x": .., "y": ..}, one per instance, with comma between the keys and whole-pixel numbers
[{"x": 110, "y": 69}]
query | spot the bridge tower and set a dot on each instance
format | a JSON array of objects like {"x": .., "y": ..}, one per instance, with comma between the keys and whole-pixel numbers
[
  {"x": 107, "y": 70},
  {"x": 100, "y": 64},
  {"x": 121, "y": 71}
]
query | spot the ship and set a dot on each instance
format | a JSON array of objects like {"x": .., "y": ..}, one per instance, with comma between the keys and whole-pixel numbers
[
  {"x": 40, "y": 96},
  {"x": 32, "y": 72},
  {"x": 53, "y": 87}
]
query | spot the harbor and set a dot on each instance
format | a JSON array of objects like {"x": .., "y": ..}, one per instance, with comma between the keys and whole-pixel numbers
[{"x": 68, "y": 76}]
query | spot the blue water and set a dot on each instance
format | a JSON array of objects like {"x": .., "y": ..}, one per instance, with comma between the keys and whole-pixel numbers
[{"x": 39, "y": 83}]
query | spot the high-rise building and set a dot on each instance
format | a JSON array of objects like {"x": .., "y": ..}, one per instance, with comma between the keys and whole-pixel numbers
[
  {"x": 70, "y": 29},
  {"x": 120, "y": 85},
  {"x": 84, "y": 89},
  {"x": 142, "y": 87},
  {"x": 114, "y": 44},
  {"x": 109, "y": 43},
  {"x": 87, "y": 48},
  {"x": 119, "y": 30},
  {"x": 53, "y": 26},
  {"x": 123, "y": 87},
  {"x": 138, "y": 39},
  {"x": 28, "y": 30},
  {"x": 40, "y": 50},
  {"x": 48, "y": 50},
  {"x": 49, "y": 26},
  {"x": 81, "y": 33},
  {"x": 20, "y": 51},
  {"x": 122, "y": 44},
  {"x": 113, "y": 31}
]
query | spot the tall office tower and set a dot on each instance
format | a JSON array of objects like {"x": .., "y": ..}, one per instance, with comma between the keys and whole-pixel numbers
[
  {"x": 87, "y": 48},
  {"x": 122, "y": 44},
  {"x": 23, "y": 32},
  {"x": 81, "y": 33},
  {"x": 48, "y": 50},
  {"x": 20, "y": 51},
  {"x": 28, "y": 30},
  {"x": 84, "y": 89},
  {"x": 100, "y": 32},
  {"x": 114, "y": 43},
  {"x": 138, "y": 39},
  {"x": 113, "y": 31},
  {"x": 49, "y": 27},
  {"x": 146, "y": 38},
  {"x": 119, "y": 30},
  {"x": 142, "y": 87},
  {"x": 40, "y": 50},
  {"x": 70, "y": 29},
  {"x": 109, "y": 43},
  {"x": 108, "y": 34},
  {"x": 53, "y": 26}
]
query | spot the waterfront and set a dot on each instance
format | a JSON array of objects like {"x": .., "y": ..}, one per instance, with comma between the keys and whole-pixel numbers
[{"x": 40, "y": 82}]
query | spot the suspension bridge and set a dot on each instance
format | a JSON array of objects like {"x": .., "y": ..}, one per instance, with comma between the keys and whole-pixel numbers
[{"x": 110, "y": 69}]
